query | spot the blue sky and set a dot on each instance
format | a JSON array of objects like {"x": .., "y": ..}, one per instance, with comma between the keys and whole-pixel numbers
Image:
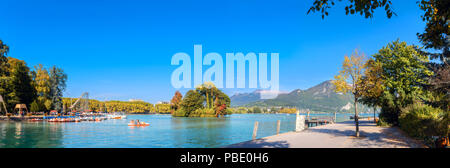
[{"x": 117, "y": 49}]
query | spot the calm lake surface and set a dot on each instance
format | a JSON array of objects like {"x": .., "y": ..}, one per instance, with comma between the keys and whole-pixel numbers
[{"x": 164, "y": 131}]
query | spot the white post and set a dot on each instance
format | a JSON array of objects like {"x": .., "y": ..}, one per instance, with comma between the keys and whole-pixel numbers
[
  {"x": 299, "y": 122},
  {"x": 278, "y": 127},
  {"x": 255, "y": 130}
]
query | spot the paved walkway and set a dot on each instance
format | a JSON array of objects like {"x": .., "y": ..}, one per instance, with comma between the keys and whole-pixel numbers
[{"x": 339, "y": 135}]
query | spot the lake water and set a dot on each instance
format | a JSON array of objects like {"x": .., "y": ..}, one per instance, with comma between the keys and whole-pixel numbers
[{"x": 164, "y": 132}]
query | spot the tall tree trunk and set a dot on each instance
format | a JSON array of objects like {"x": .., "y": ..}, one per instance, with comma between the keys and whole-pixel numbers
[
  {"x": 207, "y": 99},
  {"x": 374, "y": 115},
  {"x": 211, "y": 101},
  {"x": 356, "y": 119}
]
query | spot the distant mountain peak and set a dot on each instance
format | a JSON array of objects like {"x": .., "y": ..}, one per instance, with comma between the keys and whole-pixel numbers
[
  {"x": 348, "y": 106},
  {"x": 325, "y": 88},
  {"x": 321, "y": 97},
  {"x": 296, "y": 92}
]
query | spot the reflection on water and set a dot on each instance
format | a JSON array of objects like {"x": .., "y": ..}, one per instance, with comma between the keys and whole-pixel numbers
[
  {"x": 30, "y": 135},
  {"x": 200, "y": 132},
  {"x": 164, "y": 131}
]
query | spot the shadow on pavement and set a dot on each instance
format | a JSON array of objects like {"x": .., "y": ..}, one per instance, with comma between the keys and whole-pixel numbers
[
  {"x": 387, "y": 137},
  {"x": 260, "y": 143}
]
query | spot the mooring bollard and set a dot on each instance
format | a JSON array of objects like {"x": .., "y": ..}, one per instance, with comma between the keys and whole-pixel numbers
[
  {"x": 278, "y": 127},
  {"x": 255, "y": 130}
]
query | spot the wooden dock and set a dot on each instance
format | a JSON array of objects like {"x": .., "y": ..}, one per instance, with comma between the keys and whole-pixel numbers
[{"x": 317, "y": 121}]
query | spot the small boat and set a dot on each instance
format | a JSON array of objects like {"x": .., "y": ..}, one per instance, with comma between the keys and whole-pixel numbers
[
  {"x": 117, "y": 115},
  {"x": 142, "y": 124},
  {"x": 35, "y": 119},
  {"x": 53, "y": 120},
  {"x": 61, "y": 120}
]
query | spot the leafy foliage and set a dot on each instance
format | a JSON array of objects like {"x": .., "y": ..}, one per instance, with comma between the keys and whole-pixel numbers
[
  {"x": 176, "y": 101},
  {"x": 437, "y": 29},
  {"x": 288, "y": 110},
  {"x": 162, "y": 108},
  {"x": 372, "y": 84},
  {"x": 349, "y": 79},
  {"x": 403, "y": 74},
  {"x": 436, "y": 37},
  {"x": 41, "y": 80},
  {"x": 422, "y": 121},
  {"x": 57, "y": 85},
  {"x": 20, "y": 83},
  {"x": 4, "y": 49},
  {"x": 363, "y": 7},
  {"x": 34, "y": 107},
  {"x": 122, "y": 106},
  {"x": 205, "y": 101},
  {"x": 192, "y": 101}
]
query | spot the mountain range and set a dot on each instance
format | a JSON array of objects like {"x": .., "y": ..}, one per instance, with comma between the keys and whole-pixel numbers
[{"x": 319, "y": 98}]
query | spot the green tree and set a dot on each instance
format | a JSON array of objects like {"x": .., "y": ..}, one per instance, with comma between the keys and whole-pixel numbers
[
  {"x": 4, "y": 70},
  {"x": 162, "y": 108},
  {"x": 372, "y": 85},
  {"x": 208, "y": 90},
  {"x": 349, "y": 79},
  {"x": 437, "y": 28},
  {"x": 57, "y": 86},
  {"x": 41, "y": 81},
  {"x": 192, "y": 101},
  {"x": 256, "y": 110},
  {"x": 48, "y": 105},
  {"x": 34, "y": 107},
  {"x": 436, "y": 37},
  {"x": 403, "y": 75},
  {"x": 4, "y": 49},
  {"x": 20, "y": 82}
]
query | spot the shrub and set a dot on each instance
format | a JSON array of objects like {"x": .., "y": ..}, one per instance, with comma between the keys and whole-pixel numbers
[
  {"x": 179, "y": 113},
  {"x": 422, "y": 121},
  {"x": 381, "y": 122},
  {"x": 203, "y": 112},
  {"x": 34, "y": 106}
]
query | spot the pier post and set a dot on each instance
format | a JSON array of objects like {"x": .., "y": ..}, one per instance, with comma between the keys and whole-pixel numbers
[
  {"x": 255, "y": 130},
  {"x": 278, "y": 127},
  {"x": 299, "y": 122},
  {"x": 307, "y": 114},
  {"x": 335, "y": 117}
]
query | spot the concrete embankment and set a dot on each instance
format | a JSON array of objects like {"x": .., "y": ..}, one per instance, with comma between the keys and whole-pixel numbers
[{"x": 339, "y": 135}]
